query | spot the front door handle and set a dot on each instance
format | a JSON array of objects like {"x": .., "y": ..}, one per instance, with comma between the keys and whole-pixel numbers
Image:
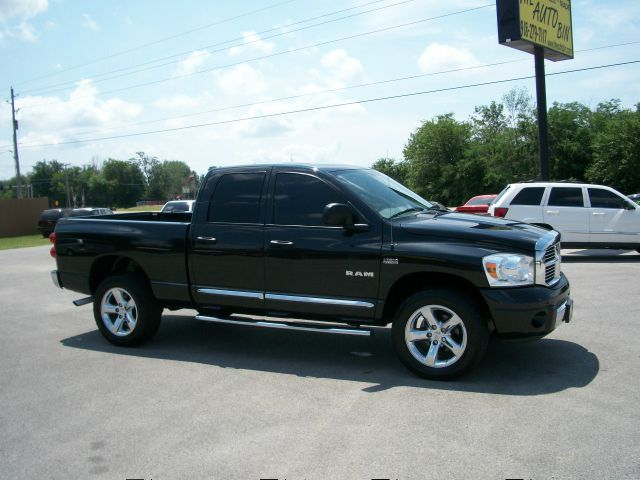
[
  {"x": 553, "y": 212},
  {"x": 281, "y": 243},
  {"x": 598, "y": 214}
]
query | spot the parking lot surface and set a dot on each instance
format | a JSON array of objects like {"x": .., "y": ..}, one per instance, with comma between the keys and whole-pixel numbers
[{"x": 208, "y": 401}]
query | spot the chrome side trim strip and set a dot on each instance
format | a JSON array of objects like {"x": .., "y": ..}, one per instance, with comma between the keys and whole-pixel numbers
[
  {"x": 319, "y": 300},
  {"x": 232, "y": 293},
  {"x": 288, "y": 326}
]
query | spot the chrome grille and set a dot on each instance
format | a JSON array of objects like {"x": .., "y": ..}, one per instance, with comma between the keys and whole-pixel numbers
[{"x": 551, "y": 262}]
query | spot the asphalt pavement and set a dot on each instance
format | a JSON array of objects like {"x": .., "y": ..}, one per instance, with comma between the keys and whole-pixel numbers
[{"x": 208, "y": 401}]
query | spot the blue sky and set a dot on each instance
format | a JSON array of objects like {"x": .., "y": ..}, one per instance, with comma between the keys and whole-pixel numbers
[{"x": 235, "y": 60}]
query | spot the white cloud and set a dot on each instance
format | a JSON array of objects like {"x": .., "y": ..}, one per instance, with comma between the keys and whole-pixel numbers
[
  {"x": 176, "y": 102},
  {"x": 241, "y": 80},
  {"x": 21, "y": 8},
  {"x": 89, "y": 22},
  {"x": 191, "y": 64},
  {"x": 438, "y": 57},
  {"x": 298, "y": 153},
  {"x": 342, "y": 66},
  {"x": 252, "y": 41},
  {"x": 62, "y": 119}
]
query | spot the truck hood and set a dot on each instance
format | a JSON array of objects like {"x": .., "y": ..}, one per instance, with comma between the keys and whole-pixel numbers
[{"x": 490, "y": 231}]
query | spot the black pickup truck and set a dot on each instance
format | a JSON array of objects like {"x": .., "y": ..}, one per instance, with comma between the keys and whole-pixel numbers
[{"x": 327, "y": 248}]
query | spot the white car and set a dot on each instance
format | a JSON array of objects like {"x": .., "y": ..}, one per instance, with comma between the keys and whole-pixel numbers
[
  {"x": 178, "y": 206},
  {"x": 587, "y": 216}
]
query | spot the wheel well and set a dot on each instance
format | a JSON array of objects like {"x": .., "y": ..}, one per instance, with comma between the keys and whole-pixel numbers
[
  {"x": 416, "y": 282},
  {"x": 110, "y": 265}
]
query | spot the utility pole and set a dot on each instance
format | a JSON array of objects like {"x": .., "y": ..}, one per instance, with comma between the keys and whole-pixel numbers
[
  {"x": 15, "y": 146},
  {"x": 66, "y": 184}
]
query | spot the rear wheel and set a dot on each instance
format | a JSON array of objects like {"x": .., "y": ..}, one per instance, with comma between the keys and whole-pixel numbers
[
  {"x": 439, "y": 334},
  {"x": 125, "y": 310}
]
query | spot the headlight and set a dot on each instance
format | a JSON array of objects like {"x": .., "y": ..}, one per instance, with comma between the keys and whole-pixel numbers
[{"x": 509, "y": 269}]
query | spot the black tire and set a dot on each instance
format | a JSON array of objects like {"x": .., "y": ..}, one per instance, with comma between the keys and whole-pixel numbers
[
  {"x": 144, "y": 310},
  {"x": 448, "y": 350}
]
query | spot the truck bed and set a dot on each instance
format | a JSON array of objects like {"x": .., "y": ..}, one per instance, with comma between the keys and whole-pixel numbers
[{"x": 155, "y": 241}]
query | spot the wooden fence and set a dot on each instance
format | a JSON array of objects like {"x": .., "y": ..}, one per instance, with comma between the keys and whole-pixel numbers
[{"x": 20, "y": 217}]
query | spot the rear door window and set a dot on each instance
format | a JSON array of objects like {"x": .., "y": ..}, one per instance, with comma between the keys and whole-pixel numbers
[
  {"x": 237, "y": 198},
  {"x": 528, "y": 196},
  {"x": 566, "y": 197},
  {"x": 601, "y": 198}
]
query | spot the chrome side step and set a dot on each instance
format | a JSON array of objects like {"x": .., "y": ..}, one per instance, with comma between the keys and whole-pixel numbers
[
  {"x": 83, "y": 301},
  {"x": 307, "y": 327}
]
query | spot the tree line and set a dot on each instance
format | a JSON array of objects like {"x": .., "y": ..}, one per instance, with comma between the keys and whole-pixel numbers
[
  {"x": 114, "y": 183},
  {"x": 449, "y": 161}
]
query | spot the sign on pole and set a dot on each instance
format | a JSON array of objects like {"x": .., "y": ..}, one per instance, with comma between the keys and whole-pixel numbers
[{"x": 524, "y": 24}]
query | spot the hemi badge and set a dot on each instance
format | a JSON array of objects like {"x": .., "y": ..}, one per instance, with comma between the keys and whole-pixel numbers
[{"x": 390, "y": 261}]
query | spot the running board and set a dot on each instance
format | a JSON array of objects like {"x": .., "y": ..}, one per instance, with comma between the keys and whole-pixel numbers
[
  {"x": 83, "y": 301},
  {"x": 307, "y": 327}
]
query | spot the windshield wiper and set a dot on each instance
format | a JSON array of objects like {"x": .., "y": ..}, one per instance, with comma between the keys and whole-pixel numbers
[
  {"x": 438, "y": 208},
  {"x": 408, "y": 210}
]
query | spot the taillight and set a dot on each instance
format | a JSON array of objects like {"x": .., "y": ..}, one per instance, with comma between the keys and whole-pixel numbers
[
  {"x": 500, "y": 212},
  {"x": 52, "y": 239}
]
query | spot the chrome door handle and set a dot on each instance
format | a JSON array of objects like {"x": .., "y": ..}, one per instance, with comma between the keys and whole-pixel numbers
[
  {"x": 207, "y": 239},
  {"x": 281, "y": 243},
  {"x": 598, "y": 214},
  {"x": 553, "y": 212}
]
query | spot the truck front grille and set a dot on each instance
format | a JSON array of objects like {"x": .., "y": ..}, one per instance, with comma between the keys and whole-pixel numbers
[{"x": 551, "y": 261}]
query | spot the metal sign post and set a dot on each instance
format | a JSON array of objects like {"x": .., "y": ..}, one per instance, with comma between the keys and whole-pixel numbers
[{"x": 543, "y": 28}]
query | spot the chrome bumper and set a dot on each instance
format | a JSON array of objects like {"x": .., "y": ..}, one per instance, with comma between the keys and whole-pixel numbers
[
  {"x": 564, "y": 312},
  {"x": 55, "y": 278}
]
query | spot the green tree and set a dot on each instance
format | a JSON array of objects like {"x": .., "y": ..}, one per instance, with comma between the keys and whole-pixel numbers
[
  {"x": 42, "y": 178},
  {"x": 570, "y": 141},
  {"x": 166, "y": 178},
  {"x": 124, "y": 181},
  {"x": 434, "y": 152},
  {"x": 395, "y": 169},
  {"x": 616, "y": 152}
]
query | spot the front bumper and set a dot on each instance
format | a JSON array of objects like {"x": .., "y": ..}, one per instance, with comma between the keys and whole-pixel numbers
[{"x": 533, "y": 311}]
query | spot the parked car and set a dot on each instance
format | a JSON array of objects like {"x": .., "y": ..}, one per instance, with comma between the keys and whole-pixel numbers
[
  {"x": 90, "y": 212},
  {"x": 477, "y": 204},
  {"x": 587, "y": 216},
  {"x": 49, "y": 218},
  {"x": 178, "y": 206},
  {"x": 336, "y": 244},
  {"x": 635, "y": 197}
]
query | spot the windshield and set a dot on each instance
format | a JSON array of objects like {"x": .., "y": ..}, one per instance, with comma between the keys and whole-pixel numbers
[{"x": 386, "y": 196}]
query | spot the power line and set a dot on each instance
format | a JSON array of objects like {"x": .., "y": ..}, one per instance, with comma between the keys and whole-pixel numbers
[
  {"x": 155, "y": 42},
  {"x": 50, "y": 88},
  {"x": 333, "y": 90},
  {"x": 285, "y": 52},
  {"x": 325, "y": 107}
]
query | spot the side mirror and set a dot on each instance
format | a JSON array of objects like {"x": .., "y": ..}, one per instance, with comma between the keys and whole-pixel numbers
[{"x": 337, "y": 215}]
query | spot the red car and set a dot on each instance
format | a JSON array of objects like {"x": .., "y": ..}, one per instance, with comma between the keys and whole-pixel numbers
[{"x": 478, "y": 204}]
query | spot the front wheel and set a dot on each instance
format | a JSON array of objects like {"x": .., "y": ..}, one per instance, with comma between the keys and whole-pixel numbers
[
  {"x": 125, "y": 310},
  {"x": 439, "y": 334}
]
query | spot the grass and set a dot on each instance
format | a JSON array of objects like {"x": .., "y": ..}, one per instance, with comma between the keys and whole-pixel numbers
[
  {"x": 24, "y": 241},
  {"x": 143, "y": 208}
]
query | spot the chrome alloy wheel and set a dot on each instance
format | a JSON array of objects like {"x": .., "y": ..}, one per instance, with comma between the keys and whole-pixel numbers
[
  {"x": 436, "y": 336},
  {"x": 119, "y": 312}
]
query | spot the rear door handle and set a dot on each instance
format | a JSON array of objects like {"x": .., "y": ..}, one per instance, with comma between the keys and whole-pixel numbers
[
  {"x": 598, "y": 214},
  {"x": 207, "y": 239},
  {"x": 281, "y": 243},
  {"x": 553, "y": 212}
]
